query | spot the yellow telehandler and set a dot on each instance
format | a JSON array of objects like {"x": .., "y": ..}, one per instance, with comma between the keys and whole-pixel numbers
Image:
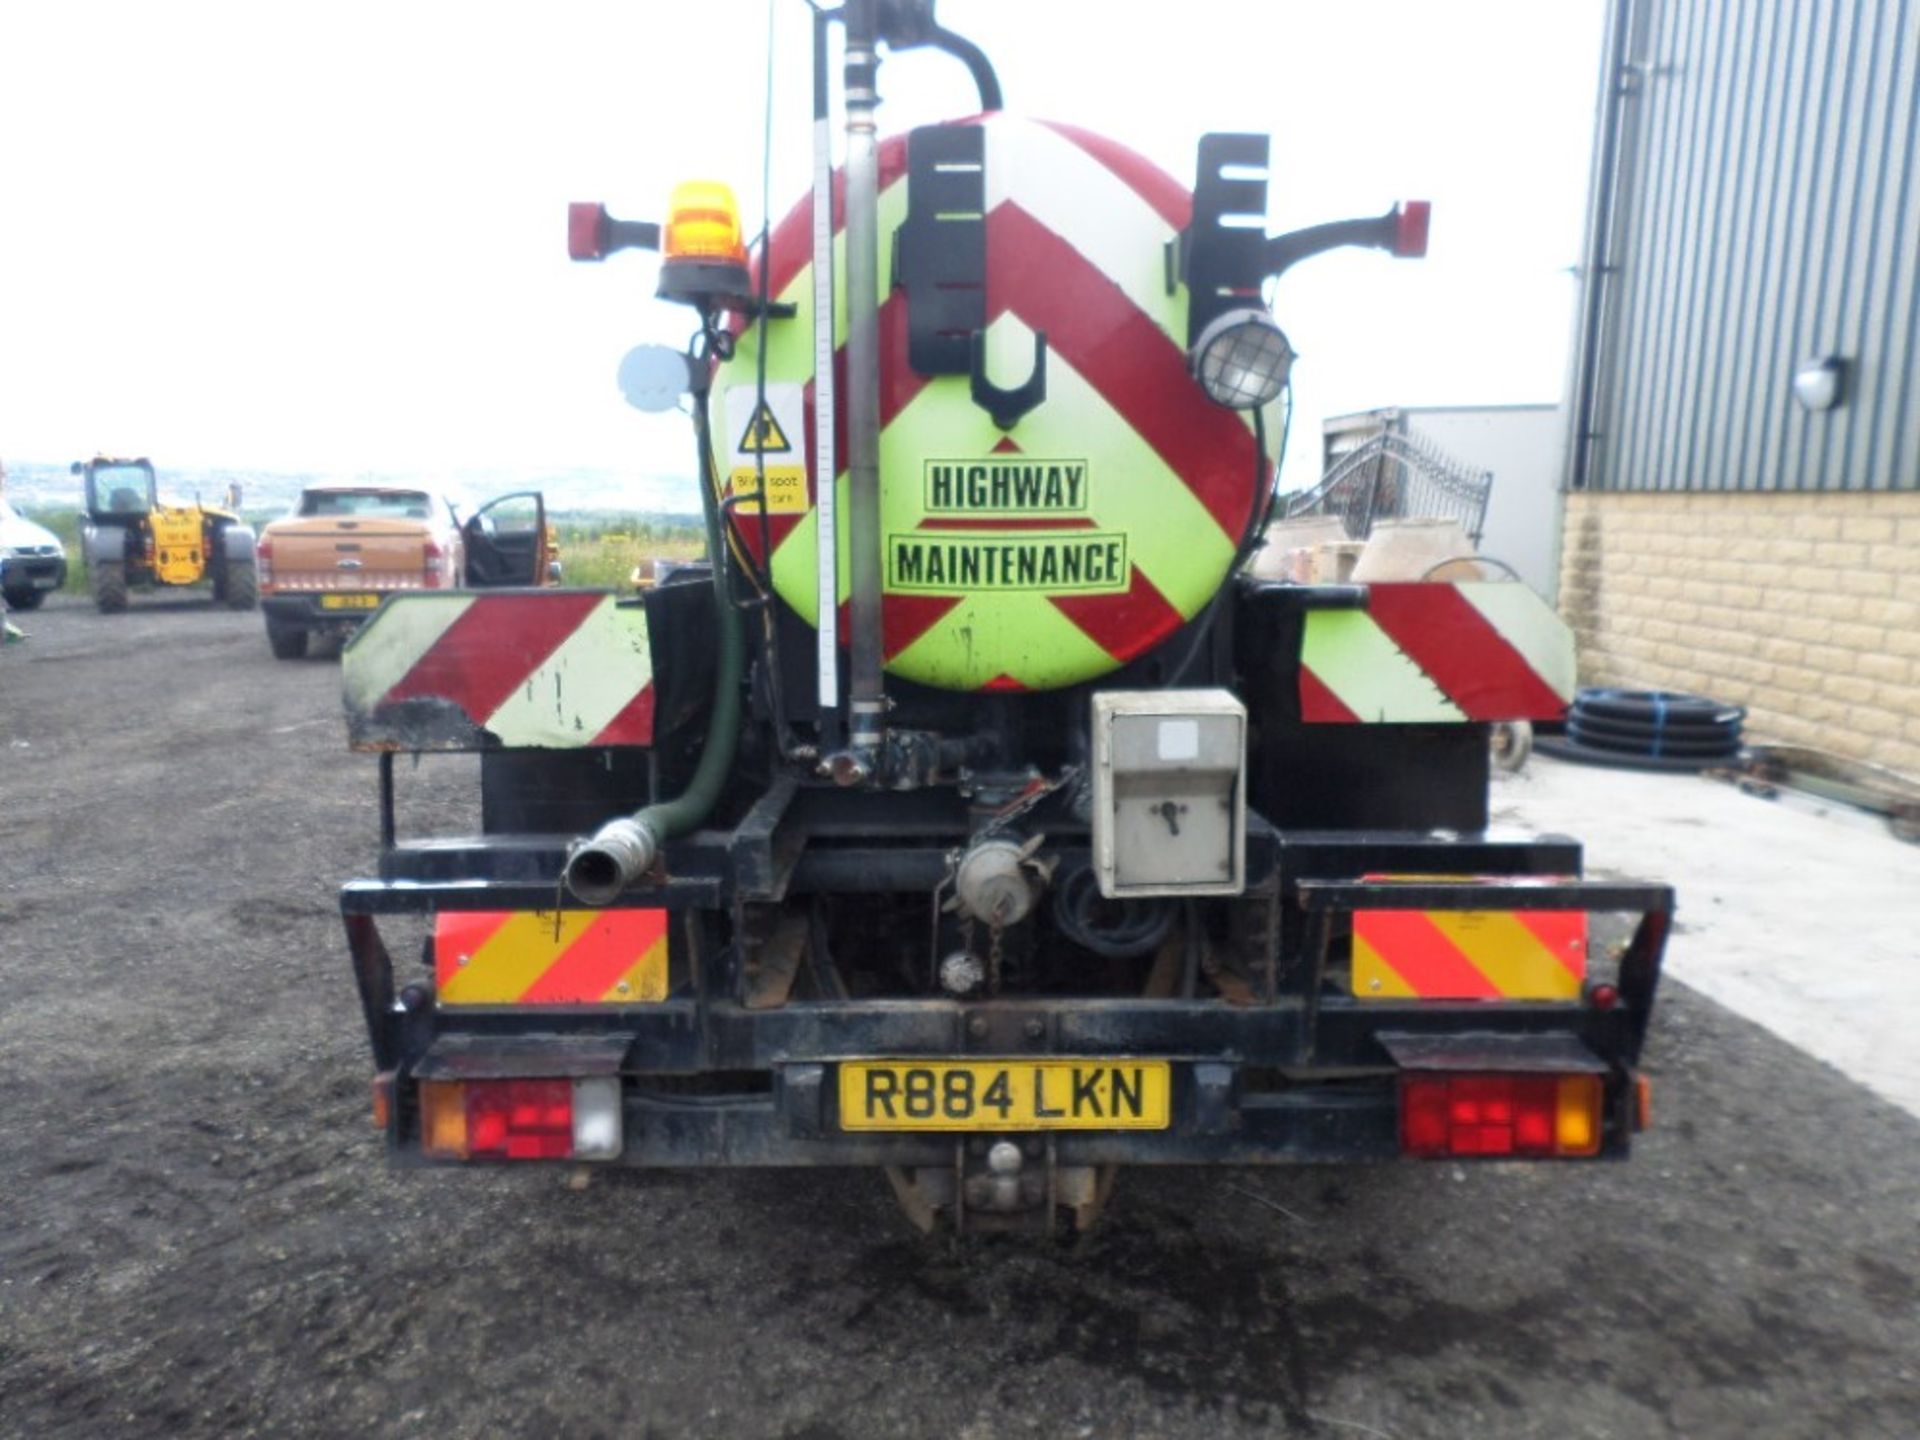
[{"x": 131, "y": 538}]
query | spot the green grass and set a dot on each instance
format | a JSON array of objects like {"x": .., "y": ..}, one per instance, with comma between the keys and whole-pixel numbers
[
  {"x": 596, "y": 550},
  {"x": 603, "y": 551}
]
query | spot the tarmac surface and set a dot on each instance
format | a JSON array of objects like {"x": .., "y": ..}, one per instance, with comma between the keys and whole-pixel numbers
[{"x": 199, "y": 1234}]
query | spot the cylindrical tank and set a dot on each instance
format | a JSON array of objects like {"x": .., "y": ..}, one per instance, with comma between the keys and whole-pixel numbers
[{"x": 1054, "y": 550}]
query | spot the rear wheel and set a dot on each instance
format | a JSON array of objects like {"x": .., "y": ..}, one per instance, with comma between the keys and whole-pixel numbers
[
  {"x": 1512, "y": 742},
  {"x": 108, "y": 579},
  {"x": 28, "y": 599},
  {"x": 243, "y": 585},
  {"x": 288, "y": 642}
]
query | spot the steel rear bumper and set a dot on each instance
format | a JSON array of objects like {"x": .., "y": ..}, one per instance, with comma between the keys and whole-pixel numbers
[
  {"x": 739, "y": 1087},
  {"x": 1297, "y": 1073},
  {"x": 302, "y": 611}
]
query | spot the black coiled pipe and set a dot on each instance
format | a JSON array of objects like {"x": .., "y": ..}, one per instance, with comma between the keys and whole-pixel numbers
[{"x": 1113, "y": 929}]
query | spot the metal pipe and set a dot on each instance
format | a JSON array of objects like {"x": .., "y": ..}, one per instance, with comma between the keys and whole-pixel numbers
[
  {"x": 1285, "y": 251},
  {"x": 622, "y": 850},
  {"x": 867, "y": 697},
  {"x": 1597, "y": 260},
  {"x": 825, "y": 466},
  {"x": 975, "y": 59}
]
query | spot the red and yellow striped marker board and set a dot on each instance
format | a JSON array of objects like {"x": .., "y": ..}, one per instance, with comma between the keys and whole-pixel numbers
[
  {"x": 1425, "y": 652},
  {"x": 543, "y": 957},
  {"x": 547, "y": 669},
  {"x": 1469, "y": 954}
]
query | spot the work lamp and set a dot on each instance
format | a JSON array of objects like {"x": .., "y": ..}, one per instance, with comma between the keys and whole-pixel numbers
[{"x": 1241, "y": 360}]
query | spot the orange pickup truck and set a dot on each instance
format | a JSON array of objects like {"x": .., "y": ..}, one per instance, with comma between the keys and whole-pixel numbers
[{"x": 327, "y": 565}]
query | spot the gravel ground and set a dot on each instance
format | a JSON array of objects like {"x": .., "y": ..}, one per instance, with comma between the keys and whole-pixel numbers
[{"x": 199, "y": 1234}]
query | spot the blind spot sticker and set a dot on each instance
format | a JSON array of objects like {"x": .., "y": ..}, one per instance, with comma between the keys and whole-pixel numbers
[{"x": 765, "y": 442}]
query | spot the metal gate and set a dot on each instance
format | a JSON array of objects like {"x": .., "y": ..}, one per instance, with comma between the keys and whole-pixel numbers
[{"x": 1394, "y": 476}]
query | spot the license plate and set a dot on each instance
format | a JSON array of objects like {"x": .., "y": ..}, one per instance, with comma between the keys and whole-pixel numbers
[
  {"x": 349, "y": 602},
  {"x": 1005, "y": 1095}
]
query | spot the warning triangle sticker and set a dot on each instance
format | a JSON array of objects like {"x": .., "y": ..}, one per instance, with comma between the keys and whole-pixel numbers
[{"x": 763, "y": 435}]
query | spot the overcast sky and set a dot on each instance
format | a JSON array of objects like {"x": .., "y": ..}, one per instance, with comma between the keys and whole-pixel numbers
[{"x": 332, "y": 236}]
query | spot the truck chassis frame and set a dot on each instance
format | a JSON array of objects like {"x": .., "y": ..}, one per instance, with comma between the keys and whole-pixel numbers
[{"x": 1276, "y": 1069}]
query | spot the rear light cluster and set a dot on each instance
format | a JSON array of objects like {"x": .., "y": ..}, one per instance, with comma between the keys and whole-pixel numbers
[
  {"x": 1520, "y": 1115},
  {"x": 263, "y": 560},
  {"x": 520, "y": 1119},
  {"x": 432, "y": 553}
]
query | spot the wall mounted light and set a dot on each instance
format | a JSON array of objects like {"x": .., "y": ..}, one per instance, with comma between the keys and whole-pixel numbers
[{"x": 1821, "y": 384}]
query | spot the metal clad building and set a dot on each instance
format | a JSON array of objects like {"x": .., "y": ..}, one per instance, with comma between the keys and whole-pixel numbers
[
  {"x": 1757, "y": 206},
  {"x": 1738, "y": 524}
]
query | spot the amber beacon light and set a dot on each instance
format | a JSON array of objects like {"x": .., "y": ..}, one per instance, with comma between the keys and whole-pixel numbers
[{"x": 702, "y": 254}]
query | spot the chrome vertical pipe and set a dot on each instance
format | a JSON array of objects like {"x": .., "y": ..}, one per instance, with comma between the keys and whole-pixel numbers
[
  {"x": 866, "y": 697},
  {"x": 825, "y": 462}
]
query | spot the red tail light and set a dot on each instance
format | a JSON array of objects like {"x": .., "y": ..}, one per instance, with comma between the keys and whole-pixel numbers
[
  {"x": 520, "y": 1120},
  {"x": 556, "y": 1119},
  {"x": 263, "y": 559},
  {"x": 1493, "y": 1115},
  {"x": 432, "y": 553}
]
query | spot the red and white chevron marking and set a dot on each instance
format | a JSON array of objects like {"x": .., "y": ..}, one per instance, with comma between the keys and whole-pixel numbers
[
  {"x": 1079, "y": 228},
  {"x": 556, "y": 669},
  {"x": 1433, "y": 652}
]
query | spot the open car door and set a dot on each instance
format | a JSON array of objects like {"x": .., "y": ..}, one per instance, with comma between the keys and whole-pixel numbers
[{"x": 507, "y": 542}]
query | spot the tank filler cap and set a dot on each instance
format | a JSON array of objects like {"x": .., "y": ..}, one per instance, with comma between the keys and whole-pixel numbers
[{"x": 998, "y": 881}]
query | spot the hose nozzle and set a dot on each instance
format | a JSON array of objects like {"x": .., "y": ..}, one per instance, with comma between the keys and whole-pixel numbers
[{"x": 619, "y": 853}]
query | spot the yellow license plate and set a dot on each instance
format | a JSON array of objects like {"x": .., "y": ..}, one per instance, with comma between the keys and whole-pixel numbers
[
  {"x": 1005, "y": 1095},
  {"x": 349, "y": 602}
]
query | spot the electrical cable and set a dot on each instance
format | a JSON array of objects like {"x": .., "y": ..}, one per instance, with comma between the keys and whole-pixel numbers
[
  {"x": 760, "y": 321},
  {"x": 1250, "y": 538},
  {"x": 760, "y": 601},
  {"x": 759, "y": 573},
  {"x": 763, "y": 578},
  {"x": 1262, "y": 511}
]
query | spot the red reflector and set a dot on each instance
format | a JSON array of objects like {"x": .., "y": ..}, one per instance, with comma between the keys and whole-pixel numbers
[
  {"x": 1423, "y": 1117},
  {"x": 1528, "y": 1115},
  {"x": 1533, "y": 1130},
  {"x": 1410, "y": 226},
  {"x": 586, "y": 231},
  {"x": 520, "y": 1119}
]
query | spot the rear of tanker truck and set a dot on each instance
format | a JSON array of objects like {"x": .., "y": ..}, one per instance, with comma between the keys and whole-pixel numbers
[{"x": 974, "y": 813}]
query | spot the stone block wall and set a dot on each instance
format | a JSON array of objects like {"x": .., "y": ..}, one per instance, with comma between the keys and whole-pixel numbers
[{"x": 1803, "y": 607}]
